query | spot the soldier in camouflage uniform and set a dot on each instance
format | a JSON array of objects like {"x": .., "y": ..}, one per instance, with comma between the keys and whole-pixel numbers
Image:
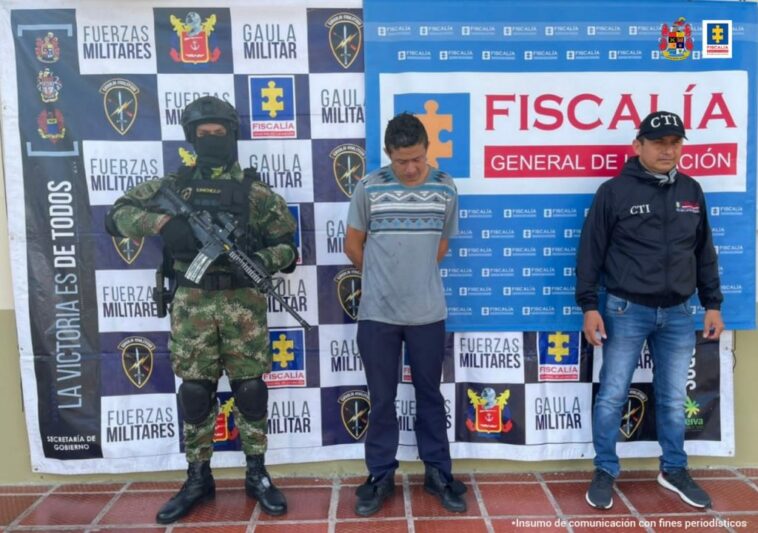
[{"x": 219, "y": 324}]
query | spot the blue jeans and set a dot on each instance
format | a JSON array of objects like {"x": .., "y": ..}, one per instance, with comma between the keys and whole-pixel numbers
[{"x": 670, "y": 333}]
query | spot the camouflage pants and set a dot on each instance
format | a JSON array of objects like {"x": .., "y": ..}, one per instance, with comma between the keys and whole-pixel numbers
[{"x": 213, "y": 332}]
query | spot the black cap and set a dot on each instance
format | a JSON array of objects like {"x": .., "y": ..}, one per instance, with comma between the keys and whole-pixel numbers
[{"x": 660, "y": 124}]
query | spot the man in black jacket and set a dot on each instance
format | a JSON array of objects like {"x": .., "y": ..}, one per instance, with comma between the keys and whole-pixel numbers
[{"x": 647, "y": 235}]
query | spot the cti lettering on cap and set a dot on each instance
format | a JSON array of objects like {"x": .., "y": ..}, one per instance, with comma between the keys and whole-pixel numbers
[
  {"x": 666, "y": 120},
  {"x": 661, "y": 124}
]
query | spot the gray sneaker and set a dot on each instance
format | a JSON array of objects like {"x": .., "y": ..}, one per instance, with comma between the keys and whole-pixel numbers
[
  {"x": 600, "y": 493},
  {"x": 679, "y": 481}
]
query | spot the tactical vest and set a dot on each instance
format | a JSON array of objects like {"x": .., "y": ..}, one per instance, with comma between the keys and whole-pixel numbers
[{"x": 221, "y": 196}]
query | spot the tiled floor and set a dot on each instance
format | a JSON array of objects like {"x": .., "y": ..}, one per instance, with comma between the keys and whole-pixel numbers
[{"x": 538, "y": 502}]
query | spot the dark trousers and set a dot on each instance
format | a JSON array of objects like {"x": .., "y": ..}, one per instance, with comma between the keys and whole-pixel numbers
[{"x": 380, "y": 345}]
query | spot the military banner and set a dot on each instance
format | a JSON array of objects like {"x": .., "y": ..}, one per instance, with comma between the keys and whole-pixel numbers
[{"x": 92, "y": 94}]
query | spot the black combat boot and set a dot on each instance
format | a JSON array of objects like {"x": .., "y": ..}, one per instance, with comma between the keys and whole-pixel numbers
[
  {"x": 258, "y": 485},
  {"x": 371, "y": 495},
  {"x": 450, "y": 491},
  {"x": 198, "y": 487}
]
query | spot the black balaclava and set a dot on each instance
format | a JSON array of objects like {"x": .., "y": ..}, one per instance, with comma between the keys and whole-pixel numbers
[{"x": 215, "y": 151}]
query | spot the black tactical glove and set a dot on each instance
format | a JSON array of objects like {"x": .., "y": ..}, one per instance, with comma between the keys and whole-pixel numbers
[{"x": 178, "y": 238}]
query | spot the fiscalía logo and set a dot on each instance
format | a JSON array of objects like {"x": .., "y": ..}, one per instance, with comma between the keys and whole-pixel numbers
[
  {"x": 632, "y": 417},
  {"x": 120, "y": 103},
  {"x": 445, "y": 117},
  {"x": 717, "y": 39},
  {"x": 225, "y": 430},
  {"x": 349, "y": 165},
  {"x": 48, "y": 85},
  {"x": 489, "y": 414},
  {"x": 345, "y": 37},
  {"x": 354, "y": 409},
  {"x": 194, "y": 39},
  {"x": 50, "y": 125},
  {"x": 557, "y": 347},
  {"x": 47, "y": 49},
  {"x": 676, "y": 42},
  {"x": 137, "y": 359},
  {"x": 348, "y": 283},
  {"x": 288, "y": 358},
  {"x": 558, "y": 356},
  {"x": 272, "y": 107},
  {"x": 128, "y": 248}
]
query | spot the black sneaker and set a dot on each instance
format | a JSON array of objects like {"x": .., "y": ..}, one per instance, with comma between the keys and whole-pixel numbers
[
  {"x": 600, "y": 493},
  {"x": 373, "y": 492},
  {"x": 679, "y": 481}
]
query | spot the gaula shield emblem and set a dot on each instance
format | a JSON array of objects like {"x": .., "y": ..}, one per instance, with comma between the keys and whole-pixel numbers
[
  {"x": 120, "y": 103},
  {"x": 128, "y": 248},
  {"x": 354, "y": 409},
  {"x": 137, "y": 359},
  {"x": 349, "y": 165},
  {"x": 348, "y": 283},
  {"x": 634, "y": 413},
  {"x": 345, "y": 37}
]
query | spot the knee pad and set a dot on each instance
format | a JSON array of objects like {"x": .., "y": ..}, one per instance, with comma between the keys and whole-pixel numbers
[
  {"x": 196, "y": 399},
  {"x": 251, "y": 397}
]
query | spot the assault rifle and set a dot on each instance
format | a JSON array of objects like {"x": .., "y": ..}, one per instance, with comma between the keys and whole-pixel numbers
[{"x": 215, "y": 240}]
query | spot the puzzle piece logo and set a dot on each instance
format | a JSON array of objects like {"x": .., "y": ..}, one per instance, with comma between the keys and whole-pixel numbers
[
  {"x": 558, "y": 355},
  {"x": 446, "y": 117},
  {"x": 272, "y": 107},
  {"x": 558, "y": 348},
  {"x": 288, "y": 358},
  {"x": 283, "y": 349},
  {"x": 272, "y": 96}
]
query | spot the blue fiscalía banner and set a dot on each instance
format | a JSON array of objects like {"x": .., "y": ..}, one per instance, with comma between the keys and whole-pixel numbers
[{"x": 531, "y": 107}]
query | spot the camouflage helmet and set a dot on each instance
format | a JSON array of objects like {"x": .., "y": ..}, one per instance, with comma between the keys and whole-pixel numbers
[{"x": 209, "y": 109}]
